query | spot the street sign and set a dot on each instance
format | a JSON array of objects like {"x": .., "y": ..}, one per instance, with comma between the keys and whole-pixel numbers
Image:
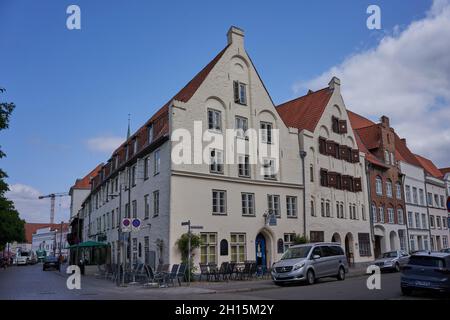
[
  {"x": 136, "y": 224},
  {"x": 126, "y": 225}
]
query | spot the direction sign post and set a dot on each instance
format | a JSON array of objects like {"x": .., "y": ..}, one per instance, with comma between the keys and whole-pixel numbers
[{"x": 190, "y": 227}]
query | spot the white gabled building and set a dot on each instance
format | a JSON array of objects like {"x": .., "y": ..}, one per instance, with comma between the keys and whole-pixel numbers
[{"x": 336, "y": 185}]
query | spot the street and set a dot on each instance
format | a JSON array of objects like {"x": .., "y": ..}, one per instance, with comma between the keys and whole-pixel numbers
[{"x": 30, "y": 282}]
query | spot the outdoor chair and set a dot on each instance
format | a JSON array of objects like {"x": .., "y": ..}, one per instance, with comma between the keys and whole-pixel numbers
[
  {"x": 213, "y": 271},
  {"x": 181, "y": 273},
  {"x": 252, "y": 270},
  {"x": 244, "y": 272},
  {"x": 231, "y": 270},
  {"x": 173, "y": 274},
  {"x": 223, "y": 270},
  {"x": 204, "y": 271}
]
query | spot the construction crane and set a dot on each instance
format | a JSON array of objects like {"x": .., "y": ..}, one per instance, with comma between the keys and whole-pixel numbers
[{"x": 52, "y": 203}]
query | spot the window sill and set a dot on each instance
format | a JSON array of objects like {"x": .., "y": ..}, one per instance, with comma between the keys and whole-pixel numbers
[
  {"x": 292, "y": 217},
  {"x": 249, "y": 215},
  {"x": 219, "y": 214},
  {"x": 216, "y": 172},
  {"x": 244, "y": 176}
]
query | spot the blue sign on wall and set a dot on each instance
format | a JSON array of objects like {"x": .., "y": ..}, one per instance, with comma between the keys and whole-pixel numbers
[{"x": 272, "y": 220}]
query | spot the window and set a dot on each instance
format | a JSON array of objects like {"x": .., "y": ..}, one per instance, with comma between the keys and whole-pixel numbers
[
  {"x": 390, "y": 212},
  {"x": 238, "y": 247},
  {"x": 323, "y": 178},
  {"x": 240, "y": 92},
  {"x": 436, "y": 200},
  {"x": 438, "y": 222},
  {"x": 424, "y": 221},
  {"x": 364, "y": 244},
  {"x": 374, "y": 213},
  {"x": 445, "y": 242},
  {"x": 150, "y": 134},
  {"x": 412, "y": 243},
  {"x": 218, "y": 202},
  {"x": 338, "y": 212},
  {"x": 266, "y": 132},
  {"x": 327, "y": 209},
  {"x": 147, "y": 250},
  {"x": 381, "y": 209},
  {"x": 322, "y": 145},
  {"x": 311, "y": 173},
  {"x": 135, "y": 145},
  {"x": 432, "y": 222},
  {"x": 208, "y": 248},
  {"x": 108, "y": 222},
  {"x": 146, "y": 167},
  {"x": 386, "y": 157},
  {"x": 389, "y": 188},
  {"x": 216, "y": 161},
  {"x": 414, "y": 189},
  {"x": 244, "y": 166},
  {"x": 134, "y": 208},
  {"x": 127, "y": 210},
  {"x": 146, "y": 207},
  {"x": 214, "y": 120},
  {"x": 322, "y": 208},
  {"x": 421, "y": 197},
  {"x": 126, "y": 152},
  {"x": 113, "y": 220},
  {"x": 398, "y": 190},
  {"x": 157, "y": 162},
  {"x": 442, "y": 201},
  {"x": 378, "y": 186},
  {"x": 288, "y": 240},
  {"x": 156, "y": 203},
  {"x": 133, "y": 175},
  {"x": 363, "y": 213},
  {"x": 248, "y": 204},
  {"x": 135, "y": 248},
  {"x": 444, "y": 223},
  {"x": 417, "y": 216},
  {"x": 273, "y": 203},
  {"x": 400, "y": 216},
  {"x": 291, "y": 205},
  {"x": 313, "y": 208},
  {"x": 392, "y": 158},
  {"x": 241, "y": 127},
  {"x": 408, "y": 194},
  {"x": 430, "y": 199},
  {"x": 269, "y": 169},
  {"x": 410, "y": 220}
]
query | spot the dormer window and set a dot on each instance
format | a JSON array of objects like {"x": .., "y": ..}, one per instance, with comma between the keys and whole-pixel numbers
[
  {"x": 386, "y": 157},
  {"x": 135, "y": 145},
  {"x": 126, "y": 153},
  {"x": 240, "y": 92},
  {"x": 150, "y": 133}
]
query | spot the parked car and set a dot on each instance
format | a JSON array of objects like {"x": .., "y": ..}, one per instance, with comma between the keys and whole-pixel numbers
[
  {"x": 447, "y": 250},
  {"x": 392, "y": 260},
  {"x": 51, "y": 262},
  {"x": 430, "y": 271},
  {"x": 308, "y": 262},
  {"x": 21, "y": 258}
]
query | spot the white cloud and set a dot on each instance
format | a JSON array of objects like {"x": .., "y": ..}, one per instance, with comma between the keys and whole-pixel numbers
[
  {"x": 32, "y": 209},
  {"x": 406, "y": 77},
  {"x": 105, "y": 144}
]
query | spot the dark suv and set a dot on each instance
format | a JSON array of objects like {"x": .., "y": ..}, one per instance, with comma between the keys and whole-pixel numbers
[
  {"x": 51, "y": 262},
  {"x": 426, "y": 271}
]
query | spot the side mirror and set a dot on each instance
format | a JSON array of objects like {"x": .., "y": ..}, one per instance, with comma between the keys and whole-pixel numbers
[{"x": 316, "y": 256}]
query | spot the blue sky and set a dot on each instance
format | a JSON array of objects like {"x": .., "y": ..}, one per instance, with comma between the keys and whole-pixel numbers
[{"x": 132, "y": 56}]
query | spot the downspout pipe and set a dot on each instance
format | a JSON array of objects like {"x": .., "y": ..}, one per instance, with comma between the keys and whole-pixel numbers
[{"x": 303, "y": 156}]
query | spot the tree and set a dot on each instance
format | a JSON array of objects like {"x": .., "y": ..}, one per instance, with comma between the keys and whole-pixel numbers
[
  {"x": 12, "y": 228},
  {"x": 298, "y": 239},
  {"x": 183, "y": 246}
]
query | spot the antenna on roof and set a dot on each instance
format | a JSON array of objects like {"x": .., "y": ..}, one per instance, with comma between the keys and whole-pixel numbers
[{"x": 129, "y": 123}]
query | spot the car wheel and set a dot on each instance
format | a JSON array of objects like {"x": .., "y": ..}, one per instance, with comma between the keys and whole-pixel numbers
[
  {"x": 310, "y": 277},
  {"x": 406, "y": 291},
  {"x": 341, "y": 274},
  {"x": 397, "y": 267}
]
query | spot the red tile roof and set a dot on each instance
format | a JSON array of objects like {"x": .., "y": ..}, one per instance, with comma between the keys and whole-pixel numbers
[
  {"x": 444, "y": 171},
  {"x": 429, "y": 166},
  {"x": 31, "y": 228},
  {"x": 359, "y": 121},
  {"x": 305, "y": 112},
  {"x": 85, "y": 183},
  {"x": 403, "y": 153}
]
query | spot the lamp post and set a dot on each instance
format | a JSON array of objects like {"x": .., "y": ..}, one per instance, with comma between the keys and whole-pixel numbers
[{"x": 190, "y": 227}]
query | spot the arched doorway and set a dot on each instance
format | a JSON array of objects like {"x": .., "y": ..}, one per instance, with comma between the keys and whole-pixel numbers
[
  {"x": 261, "y": 251},
  {"x": 336, "y": 238},
  {"x": 349, "y": 248},
  {"x": 393, "y": 240}
]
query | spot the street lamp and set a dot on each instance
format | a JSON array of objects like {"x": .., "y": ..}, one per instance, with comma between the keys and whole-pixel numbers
[{"x": 190, "y": 227}]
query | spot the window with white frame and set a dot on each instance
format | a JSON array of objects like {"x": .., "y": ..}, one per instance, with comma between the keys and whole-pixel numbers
[
  {"x": 408, "y": 194},
  {"x": 410, "y": 220},
  {"x": 291, "y": 206},
  {"x": 266, "y": 132},
  {"x": 218, "y": 202},
  {"x": 425, "y": 242},
  {"x": 421, "y": 197},
  {"x": 157, "y": 162},
  {"x": 374, "y": 213},
  {"x": 146, "y": 167},
  {"x": 415, "y": 199},
  {"x": 241, "y": 127},
  {"x": 208, "y": 247},
  {"x": 417, "y": 216},
  {"x": 322, "y": 207},
  {"x": 288, "y": 240},
  {"x": 386, "y": 157},
  {"x": 412, "y": 243},
  {"x": 444, "y": 222},
  {"x": 436, "y": 200},
  {"x": 445, "y": 242},
  {"x": 216, "y": 161},
  {"x": 248, "y": 204},
  {"x": 381, "y": 209},
  {"x": 390, "y": 212},
  {"x": 363, "y": 213},
  {"x": 424, "y": 221},
  {"x": 238, "y": 247},
  {"x": 135, "y": 146},
  {"x": 146, "y": 207},
  {"x": 431, "y": 222},
  {"x": 240, "y": 92},
  {"x": 273, "y": 204},
  {"x": 398, "y": 190},
  {"x": 156, "y": 203},
  {"x": 134, "y": 208},
  {"x": 442, "y": 201},
  {"x": 312, "y": 208},
  {"x": 328, "y": 208},
  {"x": 150, "y": 133},
  {"x": 378, "y": 186},
  {"x": 269, "y": 169},
  {"x": 214, "y": 120},
  {"x": 244, "y": 166},
  {"x": 341, "y": 210},
  {"x": 400, "y": 219},
  {"x": 438, "y": 222},
  {"x": 389, "y": 188},
  {"x": 430, "y": 199}
]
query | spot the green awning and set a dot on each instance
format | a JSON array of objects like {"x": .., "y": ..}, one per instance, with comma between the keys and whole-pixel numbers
[{"x": 89, "y": 244}]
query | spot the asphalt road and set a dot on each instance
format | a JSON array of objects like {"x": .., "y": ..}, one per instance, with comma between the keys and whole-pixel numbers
[{"x": 30, "y": 282}]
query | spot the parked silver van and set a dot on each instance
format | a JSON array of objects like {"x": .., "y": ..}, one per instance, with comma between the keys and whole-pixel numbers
[{"x": 311, "y": 261}]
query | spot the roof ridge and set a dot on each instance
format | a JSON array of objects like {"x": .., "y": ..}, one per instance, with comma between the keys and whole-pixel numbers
[{"x": 306, "y": 95}]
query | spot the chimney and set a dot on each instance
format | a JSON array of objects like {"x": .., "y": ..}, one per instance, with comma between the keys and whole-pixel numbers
[
  {"x": 385, "y": 121},
  {"x": 404, "y": 141},
  {"x": 334, "y": 83},
  {"x": 235, "y": 36}
]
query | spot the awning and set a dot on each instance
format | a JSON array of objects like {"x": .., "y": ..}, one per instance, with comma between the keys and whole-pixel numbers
[{"x": 89, "y": 244}]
